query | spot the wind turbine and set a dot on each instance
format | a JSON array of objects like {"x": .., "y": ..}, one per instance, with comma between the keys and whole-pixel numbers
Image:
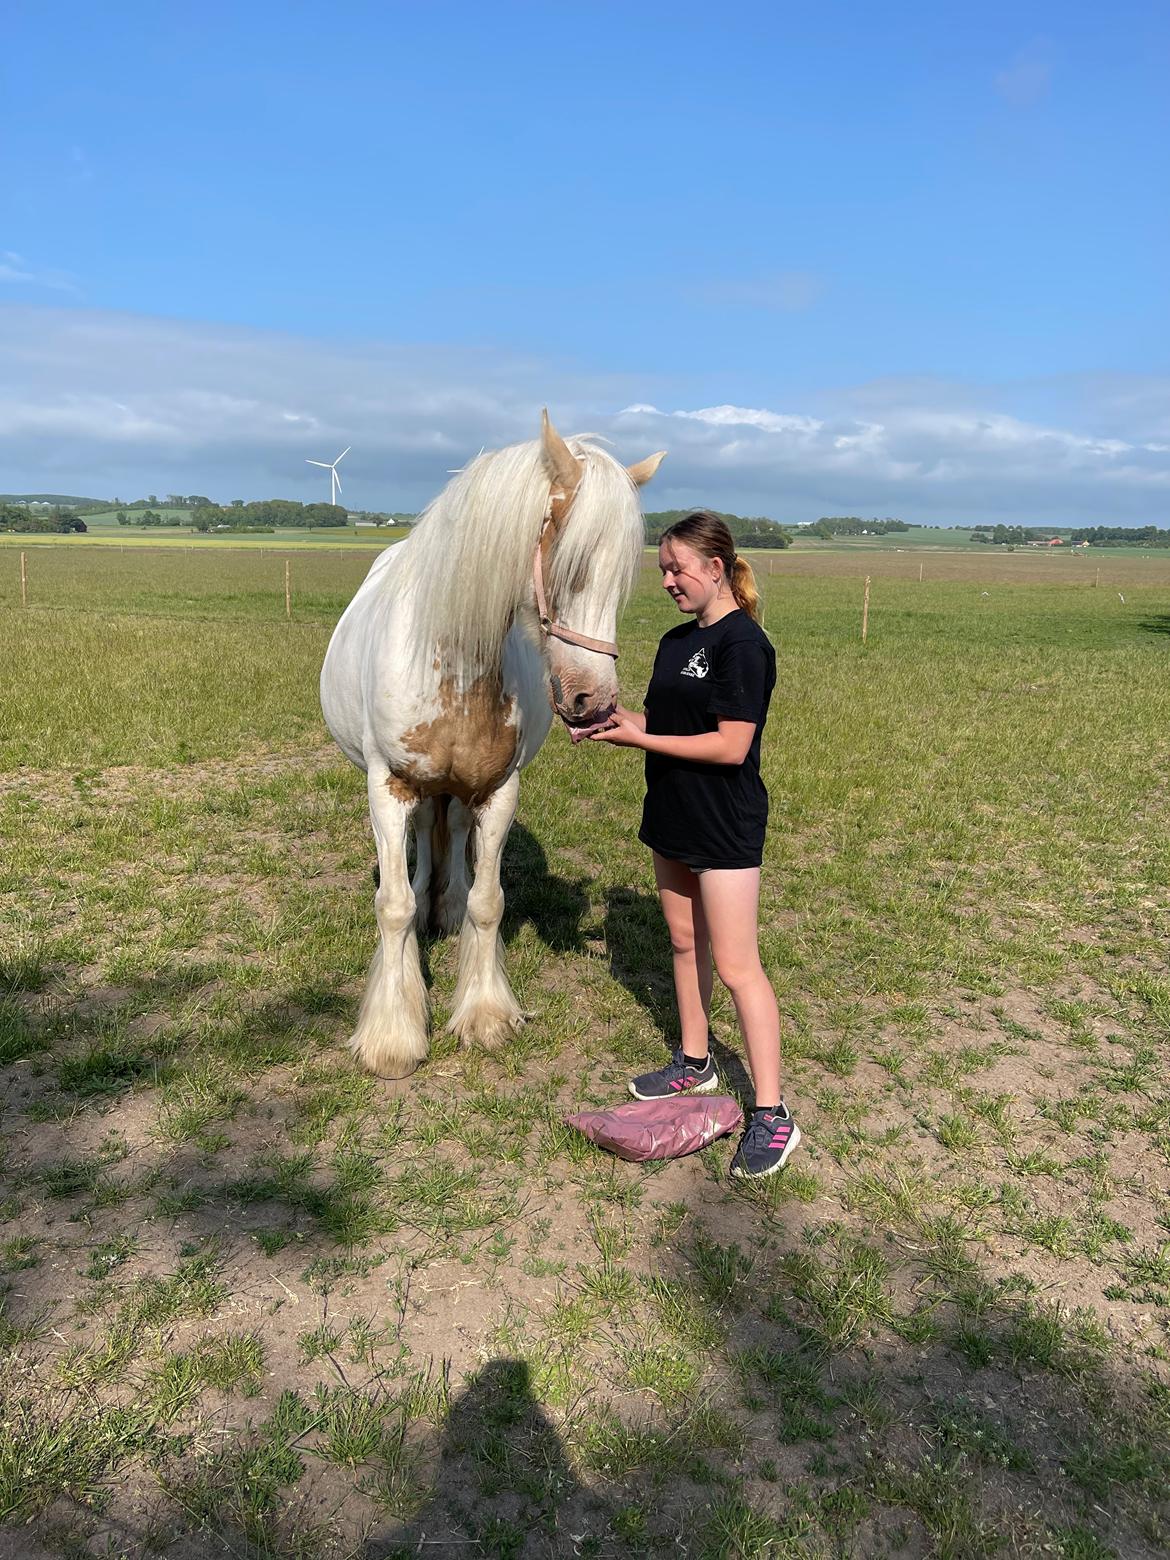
[{"x": 331, "y": 468}]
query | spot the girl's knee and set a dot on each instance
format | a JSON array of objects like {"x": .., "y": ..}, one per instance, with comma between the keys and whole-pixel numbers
[
  {"x": 682, "y": 944},
  {"x": 740, "y": 974}
]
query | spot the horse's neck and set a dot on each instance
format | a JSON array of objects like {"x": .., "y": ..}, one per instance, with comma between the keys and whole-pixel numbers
[
  {"x": 517, "y": 619},
  {"x": 519, "y": 659}
]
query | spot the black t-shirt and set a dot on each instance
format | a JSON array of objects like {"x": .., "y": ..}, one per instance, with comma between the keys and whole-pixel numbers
[{"x": 708, "y": 815}]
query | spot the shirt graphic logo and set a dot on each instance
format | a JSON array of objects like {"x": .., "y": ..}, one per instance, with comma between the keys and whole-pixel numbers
[{"x": 697, "y": 665}]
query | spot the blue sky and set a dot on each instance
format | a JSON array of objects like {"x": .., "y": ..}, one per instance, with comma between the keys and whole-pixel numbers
[{"x": 876, "y": 259}]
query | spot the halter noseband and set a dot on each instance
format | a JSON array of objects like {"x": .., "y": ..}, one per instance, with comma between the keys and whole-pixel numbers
[{"x": 548, "y": 627}]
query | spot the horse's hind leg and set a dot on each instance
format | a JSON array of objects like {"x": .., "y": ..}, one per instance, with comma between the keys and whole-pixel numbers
[
  {"x": 391, "y": 1034},
  {"x": 451, "y": 906},
  {"x": 484, "y": 1007},
  {"x": 423, "y": 883}
]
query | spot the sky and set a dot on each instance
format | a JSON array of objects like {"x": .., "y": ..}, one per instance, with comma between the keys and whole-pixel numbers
[{"x": 849, "y": 259}]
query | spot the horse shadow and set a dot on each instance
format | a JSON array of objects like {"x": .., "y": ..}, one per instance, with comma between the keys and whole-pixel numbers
[
  {"x": 553, "y": 905},
  {"x": 1156, "y": 625},
  {"x": 501, "y": 1482}
]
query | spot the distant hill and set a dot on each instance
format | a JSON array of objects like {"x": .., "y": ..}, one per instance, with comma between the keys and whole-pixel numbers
[{"x": 50, "y": 498}]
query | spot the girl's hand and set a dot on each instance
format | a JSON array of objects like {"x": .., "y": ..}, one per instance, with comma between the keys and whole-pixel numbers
[
  {"x": 625, "y": 729},
  {"x": 636, "y": 718}
]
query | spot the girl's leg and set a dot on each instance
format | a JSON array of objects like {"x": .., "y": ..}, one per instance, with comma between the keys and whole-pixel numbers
[
  {"x": 730, "y": 903},
  {"x": 678, "y": 888}
]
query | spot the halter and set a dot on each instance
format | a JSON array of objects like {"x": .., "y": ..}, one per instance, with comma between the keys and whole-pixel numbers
[{"x": 549, "y": 628}]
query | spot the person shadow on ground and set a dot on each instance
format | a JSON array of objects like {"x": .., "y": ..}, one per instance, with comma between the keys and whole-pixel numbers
[{"x": 501, "y": 1484}]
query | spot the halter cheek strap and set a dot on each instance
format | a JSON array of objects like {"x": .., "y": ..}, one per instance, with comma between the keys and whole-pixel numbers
[{"x": 548, "y": 627}]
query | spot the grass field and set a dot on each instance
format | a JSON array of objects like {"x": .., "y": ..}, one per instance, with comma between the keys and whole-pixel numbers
[
  {"x": 901, "y": 541},
  {"x": 257, "y": 1304},
  {"x": 106, "y": 533},
  {"x": 109, "y": 517}
]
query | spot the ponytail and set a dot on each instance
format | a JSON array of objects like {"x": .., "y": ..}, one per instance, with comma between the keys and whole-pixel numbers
[{"x": 743, "y": 587}]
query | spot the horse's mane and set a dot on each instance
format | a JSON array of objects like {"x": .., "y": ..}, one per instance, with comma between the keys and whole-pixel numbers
[{"x": 468, "y": 562}]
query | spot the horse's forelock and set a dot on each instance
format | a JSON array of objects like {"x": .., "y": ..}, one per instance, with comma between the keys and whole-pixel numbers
[
  {"x": 469, "y": 558},
  {"x": 602, "y": 537}
]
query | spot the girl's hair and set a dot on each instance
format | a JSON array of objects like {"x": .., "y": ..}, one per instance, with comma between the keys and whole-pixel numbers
[{"x": 710, "y": 538}]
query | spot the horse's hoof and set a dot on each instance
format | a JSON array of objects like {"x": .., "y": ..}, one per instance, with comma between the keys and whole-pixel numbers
[
  {"x": 392, "y": 1063},
  {"x": 490, "y": 1033},
  {"x": 396, "y": 1077}
]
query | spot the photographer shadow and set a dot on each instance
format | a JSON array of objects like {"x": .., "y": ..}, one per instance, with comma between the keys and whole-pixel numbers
[{"x": 501, "y": 1483}]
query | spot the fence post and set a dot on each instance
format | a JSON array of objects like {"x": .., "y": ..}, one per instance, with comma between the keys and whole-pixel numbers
[
  {"x": 1097, "y": 579},
  {"x": 865, "y": 612},
  {"x": 287, "y": 592},
  {"x": 23, "y": 581},
  {"x": 920, "y": 567}
]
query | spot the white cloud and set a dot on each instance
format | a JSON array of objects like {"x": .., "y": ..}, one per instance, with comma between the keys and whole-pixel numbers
[
  {"x": 119, "y": 404},
  {"x": 924, "y": 462},
  {"x": 754, "y": 417},
  {"x": 15, "y": 269}
]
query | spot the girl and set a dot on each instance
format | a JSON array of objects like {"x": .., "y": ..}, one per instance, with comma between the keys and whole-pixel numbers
[{"x": 704, "y": 817}]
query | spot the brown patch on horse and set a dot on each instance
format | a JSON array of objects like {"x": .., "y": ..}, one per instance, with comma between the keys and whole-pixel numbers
[
  {"x": 400, "y": 790},
  {"x": 559, "y": 504},
  {"x": 468, "y": 748}
]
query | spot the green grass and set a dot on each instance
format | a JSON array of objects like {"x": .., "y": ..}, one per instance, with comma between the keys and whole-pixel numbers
[{"x": 234, "y": 1269}]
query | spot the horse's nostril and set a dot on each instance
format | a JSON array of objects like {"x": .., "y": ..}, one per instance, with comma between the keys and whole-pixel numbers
[{"x": 580, "y": 704}]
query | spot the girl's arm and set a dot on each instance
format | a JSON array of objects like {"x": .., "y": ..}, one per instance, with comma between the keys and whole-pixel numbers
[{"x": 728, "y": 745}]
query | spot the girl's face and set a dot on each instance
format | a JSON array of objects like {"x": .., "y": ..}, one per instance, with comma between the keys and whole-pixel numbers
[{"x": 692, "y": 581}]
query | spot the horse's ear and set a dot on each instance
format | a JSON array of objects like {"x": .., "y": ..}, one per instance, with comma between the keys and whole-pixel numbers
[
  {"x": 564, "y": 467},
  {"x": 643, "y": 470}
]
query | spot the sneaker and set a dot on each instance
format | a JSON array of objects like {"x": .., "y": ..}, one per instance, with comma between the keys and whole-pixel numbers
[
  {"x": 678, "y": 1077},
  {"x": 765, "y": 1146}
]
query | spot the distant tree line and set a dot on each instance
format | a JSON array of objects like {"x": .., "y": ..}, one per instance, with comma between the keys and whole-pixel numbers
[
  {"x": 829, "y": 526},
  {"x": 1008, "y": 535},
  {"x": 1095, "y": 535},
  {"x": 753, "y": 531},
  {"x": 16, "y": 518},
  {"x": 1123, "y": 536},
  {"x": 267, "y": 514},
  {"x": 172, "y": 501}
]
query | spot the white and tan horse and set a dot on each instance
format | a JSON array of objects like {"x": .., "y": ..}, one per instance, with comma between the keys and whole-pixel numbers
[{"x": 440, "y": 682}]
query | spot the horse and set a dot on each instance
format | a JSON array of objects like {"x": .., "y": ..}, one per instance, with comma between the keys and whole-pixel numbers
[{"x": 441, "y": 681}]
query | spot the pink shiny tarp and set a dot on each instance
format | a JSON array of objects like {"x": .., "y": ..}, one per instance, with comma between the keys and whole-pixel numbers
[{"x": 660, "y": 1129}]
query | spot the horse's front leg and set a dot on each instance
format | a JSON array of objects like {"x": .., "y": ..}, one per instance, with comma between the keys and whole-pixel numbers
[
  {"x": 391, "y": 1034},
  {"x": 485, "y": 1009}
]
